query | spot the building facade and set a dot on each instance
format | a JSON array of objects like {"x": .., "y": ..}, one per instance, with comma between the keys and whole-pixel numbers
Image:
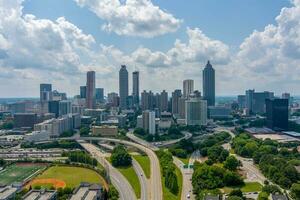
[
  {"x": 209, "y": 84},
  {"x": 123, "y": 87},
  {"x": 277, "y": 111},
  {"x": 90, "y": 89},
  {"x": 188, "y": 88},
  {"x": 196, "y": 112},
  {"x": 136, "y": 88}
]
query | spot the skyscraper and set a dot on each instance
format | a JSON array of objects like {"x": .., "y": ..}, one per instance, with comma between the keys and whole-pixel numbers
[
  {"x": 163, "y": 101},
  {"x": 209, "y": 84},
  {"x": 175, "y": 101},
  {"x": 188, "y": 87},
  {"x": 148, "y": 118},
  {"x": 135, "y": 88},
  {"x": 256, "y": 101},
  {"x": 100, "y": 95},
  {"x": 196, "y": 111},
  {"x": 277, "y": 111},
  {"x": 45, "y": 92},
  {"x": 90, "y": 90},
  {"x": 123, "y": 86},
  {"x": 83, "y": 92}
]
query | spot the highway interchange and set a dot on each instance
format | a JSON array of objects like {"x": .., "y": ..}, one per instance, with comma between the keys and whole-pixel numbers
[{"x": 152, "y": 188}]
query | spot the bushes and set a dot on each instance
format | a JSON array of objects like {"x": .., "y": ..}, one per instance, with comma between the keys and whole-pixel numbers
[
  {"x": 212, "y": 177},
  {"x": 217, "y": 154},
  {"x": 81, "y": 157},
  {"x": 64, "y": 144},
  {"x": 179, "y": 153},
  {"x": 279, "y": 166},
  {"x": 232, "y": 163},
  {"x": 120, "y": 157},
  {"x": 168, "y": 171}
]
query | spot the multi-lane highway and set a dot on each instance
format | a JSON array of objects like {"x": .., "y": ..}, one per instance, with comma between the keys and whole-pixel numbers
[
  {"x": 187, "y": 173},
  {"x": 119, "y": 181},
  {"x": 145, "y": 193},
  {"x": 155, "y": 178}
]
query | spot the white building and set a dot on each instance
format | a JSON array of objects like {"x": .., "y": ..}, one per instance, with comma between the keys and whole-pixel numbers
[
  {"x": 196, "y": 111},
  {"x": 55, "y": 127},
  {"x": 149, "y": 121}
]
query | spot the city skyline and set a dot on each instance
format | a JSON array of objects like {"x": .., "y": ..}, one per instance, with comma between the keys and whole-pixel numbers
[{"x": 175, "y": 52}]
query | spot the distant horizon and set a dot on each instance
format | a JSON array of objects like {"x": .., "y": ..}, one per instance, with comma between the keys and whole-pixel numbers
[{"x": 250, "y": 44}]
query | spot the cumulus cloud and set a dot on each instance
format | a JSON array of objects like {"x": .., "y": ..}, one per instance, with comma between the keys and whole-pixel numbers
[
  {"x": 132, "y": 17},
  {"x": 28, "y": 42},
  {"x": 273, "y": 54}
]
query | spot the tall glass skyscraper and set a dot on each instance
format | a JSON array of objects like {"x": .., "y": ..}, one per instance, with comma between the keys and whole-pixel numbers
[
  {"x": 90, "y": 89},
  {"x": 123, "y": 86},
  {"x": 209, "y": 84},
  {"x": 135, "y": 88}
]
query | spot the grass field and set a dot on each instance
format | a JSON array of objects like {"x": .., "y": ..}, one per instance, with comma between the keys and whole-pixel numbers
[
  {"x": 167, "y": 194},
  {"x": 18, "y": 172},
  {"x": 71, "y": 176},
  {"x": 248, "y": 187},
  {"x": 144, "y": 162},
  {"x": 132, "y": 178}
]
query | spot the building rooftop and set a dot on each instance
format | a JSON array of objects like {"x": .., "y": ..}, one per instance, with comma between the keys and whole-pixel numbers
[
  {"x": 279, "y": 197},
  {"x": 40, "y": 195},
  {"x": 7, "y": 191},
  {"x": 211, "y": 197},
  {"x": 292, "y": 133}
]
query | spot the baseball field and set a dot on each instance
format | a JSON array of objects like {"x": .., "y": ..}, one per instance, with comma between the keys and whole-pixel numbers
[
  {"x": 19, "y": 172},
  {"x": 66, "y": 176}
]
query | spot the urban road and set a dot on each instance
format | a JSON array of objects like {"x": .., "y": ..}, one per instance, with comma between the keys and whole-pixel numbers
[
  {"x": 155, "y": 178},
  {"x": 118, "y": 180}
]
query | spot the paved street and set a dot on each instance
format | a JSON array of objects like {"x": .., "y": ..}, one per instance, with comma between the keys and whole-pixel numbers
[
  {"x": 145, "y": 193},
  {"x": 155, "y": 179},
  {"x": 118, "y": 180},
  {"x": 187, "y": 188}
]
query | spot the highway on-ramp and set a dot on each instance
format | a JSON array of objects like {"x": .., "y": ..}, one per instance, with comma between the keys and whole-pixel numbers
[
  {"x": 155, "y": 178},
  {"x": 145, "y": 194},
  {"x": 118, "y": 180}
]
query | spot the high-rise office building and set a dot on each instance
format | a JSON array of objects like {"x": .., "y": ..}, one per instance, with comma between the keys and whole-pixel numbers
[
  {"x": 53, "y": 107},
  {"x": 135, "y": 88},
  {"x": 100, "y": 95},
  {"x": 82, "y": 92},
  {"x": 181, "y": 107},
  {"x": 65, "y": 107},
  {"x": 196, "y": 112},
  {"x": 209, "y": 84},
  {"x": 113, "y": 98},
  {"x": 277, "y": 111},
  {"x": 90, "y": 90},
  {"x": 45, "y": 92},
  {"x": 123, "y": 87},
  {"x": 242, "y": 101},
  {"x": 163, "y": 101},
  {"x": 175, "y": 101},
  {"x": 188, "y": 87},
  {"x": 148, "y": 100},
  {"x": 256, "y": 101},
  {"x": 148, "y": 120}
]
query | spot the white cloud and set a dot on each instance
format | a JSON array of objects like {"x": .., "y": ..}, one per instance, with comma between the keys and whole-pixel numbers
[
  {"x": 132, "y": 17},
  {"x": 28, "y": 42}
]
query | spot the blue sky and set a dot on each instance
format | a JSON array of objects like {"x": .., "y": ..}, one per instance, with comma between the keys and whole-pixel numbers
[
  {"x": 250, "y": 43},
  {"x": 227, "y": 20}
]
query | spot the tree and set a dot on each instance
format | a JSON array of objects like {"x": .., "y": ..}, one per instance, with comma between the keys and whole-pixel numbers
[
  {"x": 120, "y": 157},
  {"x": 139, "y": 131},
  {"x": 263, "y": 196},
  {"x": 271, "y": 189},
  {"x": 235, "y": 198},
  {"x": 295, "y": 190},
  {"x": 113, "y": 193},
  {"x": 173, "y": 130},
  {"x": 237, "y": 193},
  {"x": 231, "y": 163},
  {"x": 232, "y": 179}
]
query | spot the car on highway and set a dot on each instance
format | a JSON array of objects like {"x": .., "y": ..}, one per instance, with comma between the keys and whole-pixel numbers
[{"x": 188, "y": 196}]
